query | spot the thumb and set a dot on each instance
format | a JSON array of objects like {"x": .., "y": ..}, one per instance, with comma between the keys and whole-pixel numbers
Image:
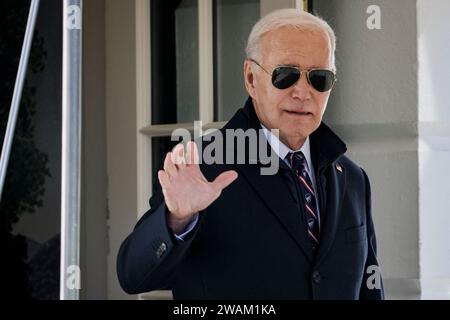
[{"x": 224, "y": 180}]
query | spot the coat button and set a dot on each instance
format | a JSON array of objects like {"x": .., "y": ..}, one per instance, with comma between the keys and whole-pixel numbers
[{"x": 316, "y": 277}]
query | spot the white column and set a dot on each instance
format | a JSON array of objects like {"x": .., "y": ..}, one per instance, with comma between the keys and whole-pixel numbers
[
  {"x": 434, "y": 147},
  {"x": 71, "y": 151}
]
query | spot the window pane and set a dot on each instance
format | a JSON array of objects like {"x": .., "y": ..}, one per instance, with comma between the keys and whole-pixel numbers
[
  {"x": 233, "y": 20},
  {"x": 174, "y": 29}
]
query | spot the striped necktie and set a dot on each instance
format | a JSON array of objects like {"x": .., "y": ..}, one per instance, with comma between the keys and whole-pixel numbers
[{"x": 298, "y": 163}]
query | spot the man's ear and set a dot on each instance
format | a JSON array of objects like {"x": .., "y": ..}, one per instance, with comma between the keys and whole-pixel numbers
[{"x": 249, "y": 78}]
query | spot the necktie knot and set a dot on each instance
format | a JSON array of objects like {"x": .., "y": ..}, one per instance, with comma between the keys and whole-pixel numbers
[{"x": 297, "y": 160}]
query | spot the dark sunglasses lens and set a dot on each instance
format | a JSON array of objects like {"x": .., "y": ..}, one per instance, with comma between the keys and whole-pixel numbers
[
  {"x": 321, "y": 80},
  {"x": 284, "y": 77}
]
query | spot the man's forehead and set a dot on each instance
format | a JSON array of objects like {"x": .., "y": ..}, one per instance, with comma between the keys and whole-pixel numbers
[
  {"x": 301, "y": 60},
  {"x": 299, "y": 48}
]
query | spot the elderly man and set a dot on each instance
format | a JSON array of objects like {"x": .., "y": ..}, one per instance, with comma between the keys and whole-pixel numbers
[{"x": 305, "y": 232}]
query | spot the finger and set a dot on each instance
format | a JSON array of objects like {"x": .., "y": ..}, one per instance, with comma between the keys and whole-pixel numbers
[
  {"x": 178, "y": 156},
  {"x": 192, "y": 157},
  {"x": 224, "y": 180},
  {"x": 163, "y": 179},
  {"x": 169, "y": 166}
]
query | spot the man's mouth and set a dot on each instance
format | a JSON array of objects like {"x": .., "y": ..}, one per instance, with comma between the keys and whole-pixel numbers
[{"x": 299, "y": 113}]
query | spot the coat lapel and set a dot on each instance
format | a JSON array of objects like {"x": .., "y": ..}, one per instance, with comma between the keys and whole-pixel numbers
[
  {"x": 326, "y": 150},
  {"x": 275, "y": 193},
  {"x": 335, "y": 190}
]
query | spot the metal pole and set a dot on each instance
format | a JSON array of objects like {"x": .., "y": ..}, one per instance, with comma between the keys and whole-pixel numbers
[
  {"x": 17, "y": 95},
  {"x": 71, "y": 151}
]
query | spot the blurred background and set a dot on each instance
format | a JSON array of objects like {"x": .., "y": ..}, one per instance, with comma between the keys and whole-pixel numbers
[{"x": 151, "y": 66}]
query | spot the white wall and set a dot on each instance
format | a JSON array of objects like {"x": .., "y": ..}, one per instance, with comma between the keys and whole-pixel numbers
[
  {"x": 434, "y": 146},
  {"x": 121, "y": 131},
  {"x": 94, "y": 236}
]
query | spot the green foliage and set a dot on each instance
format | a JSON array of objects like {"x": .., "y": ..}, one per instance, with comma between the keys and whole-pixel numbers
[{"x": 27, "y": 169}]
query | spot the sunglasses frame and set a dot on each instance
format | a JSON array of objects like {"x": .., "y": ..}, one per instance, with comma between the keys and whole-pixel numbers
[{"x": 301, "y": 73}]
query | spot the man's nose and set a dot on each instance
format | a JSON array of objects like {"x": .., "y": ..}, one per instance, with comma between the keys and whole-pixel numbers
[{"x": 301, "y": 89}]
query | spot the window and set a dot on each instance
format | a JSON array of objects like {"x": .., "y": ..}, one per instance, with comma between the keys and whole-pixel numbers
[{"x": 197, "y": 53}]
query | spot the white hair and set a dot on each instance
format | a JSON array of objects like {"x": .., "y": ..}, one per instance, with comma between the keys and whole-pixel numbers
[{"x": 294, "y": 18}]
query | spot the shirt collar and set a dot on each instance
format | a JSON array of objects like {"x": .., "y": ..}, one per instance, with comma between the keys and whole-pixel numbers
[{"x": 283, "y": 150}]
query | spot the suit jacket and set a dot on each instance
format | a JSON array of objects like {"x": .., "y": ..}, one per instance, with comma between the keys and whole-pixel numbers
[{"x": 252, "y": 243}]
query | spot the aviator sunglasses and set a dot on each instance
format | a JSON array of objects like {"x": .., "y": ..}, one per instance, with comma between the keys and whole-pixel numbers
[{"x": 284, "y": 77}]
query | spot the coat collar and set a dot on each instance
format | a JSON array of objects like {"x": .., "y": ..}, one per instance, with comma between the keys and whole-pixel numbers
[{"x": 326, "y": 148}]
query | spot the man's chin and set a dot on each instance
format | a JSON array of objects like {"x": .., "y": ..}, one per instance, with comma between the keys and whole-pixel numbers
[
  {"x": 303, "y": 132},
  {"x": 294, "y": 140}
]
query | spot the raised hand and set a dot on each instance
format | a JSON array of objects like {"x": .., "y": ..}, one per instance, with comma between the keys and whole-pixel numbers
[{"x": 186, "y": 190}]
